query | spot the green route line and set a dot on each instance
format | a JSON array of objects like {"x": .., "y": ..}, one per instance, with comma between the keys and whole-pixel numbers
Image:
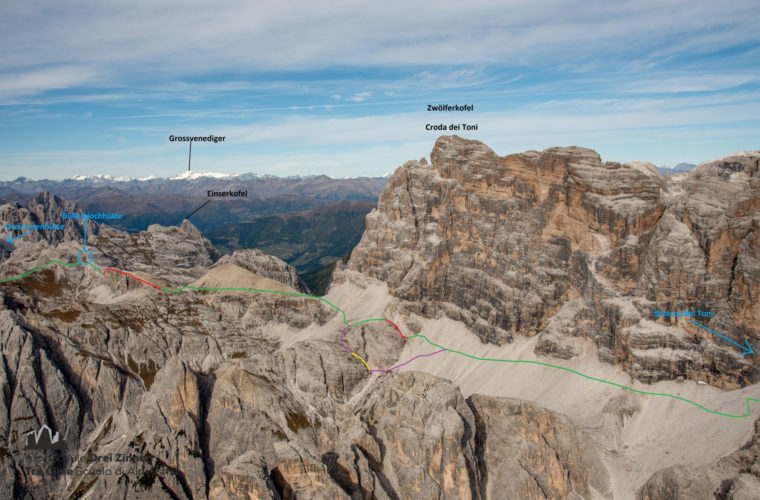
[
  {"x": 345, "y": 321},
  {"x": 294, "y": 294},
  {"x": 589, "y": 377},
  {"x": 38, "y": 269}
]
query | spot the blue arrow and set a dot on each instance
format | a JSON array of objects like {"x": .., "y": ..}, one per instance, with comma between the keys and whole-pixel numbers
[
  {"x": 19, "y": 236},
  {"x": 747, "y": 350}
]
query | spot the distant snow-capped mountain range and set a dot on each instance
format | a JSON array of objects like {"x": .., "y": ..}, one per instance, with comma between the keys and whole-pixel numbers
[
  {"x": 190, "y": 175},
  {"x": 195, "y": 184},
  {"x": 678, "y": 169},
  {"x": 187, "y": 175}
]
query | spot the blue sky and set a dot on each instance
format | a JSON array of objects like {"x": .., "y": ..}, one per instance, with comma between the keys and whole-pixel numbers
[{"x": 341, "y": 87}]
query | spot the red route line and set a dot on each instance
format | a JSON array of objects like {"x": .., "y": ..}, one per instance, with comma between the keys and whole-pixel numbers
[
  {"x": 131, "y": 276},
  {"x": 397, "y": 328}
]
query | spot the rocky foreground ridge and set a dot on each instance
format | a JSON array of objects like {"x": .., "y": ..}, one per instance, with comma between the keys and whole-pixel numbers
[
  {"x": 559, "y": 245},
  {"x": 231, "y": 394},
  {"x": 212, "y": 395}
]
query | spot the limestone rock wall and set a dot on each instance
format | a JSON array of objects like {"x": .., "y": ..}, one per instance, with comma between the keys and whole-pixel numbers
[{"x": 559, "y": 244}]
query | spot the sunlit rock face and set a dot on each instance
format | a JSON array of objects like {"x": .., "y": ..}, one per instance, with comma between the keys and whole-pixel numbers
[{"x": 562, "y": 245}]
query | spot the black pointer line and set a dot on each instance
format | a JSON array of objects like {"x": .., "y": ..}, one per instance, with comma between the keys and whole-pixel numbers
[{"x": 193, "y": 212}]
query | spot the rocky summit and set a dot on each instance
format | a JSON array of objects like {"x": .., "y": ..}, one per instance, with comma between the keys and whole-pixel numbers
[
  {"x": 170, "y": 370},
  {"x": 560, "y": 245}
]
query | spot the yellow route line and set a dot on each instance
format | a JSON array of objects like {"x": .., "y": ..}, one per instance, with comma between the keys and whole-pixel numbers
[{"x": 362, "y": 360}]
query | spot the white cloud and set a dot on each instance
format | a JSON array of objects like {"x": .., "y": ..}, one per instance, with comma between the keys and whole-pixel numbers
[
  {"x": 359, "y": 97},
  {"x": 150, "y": 41},
  {"x": 562, "y": 72},
  {"x": 40, "y": 80},
  {"x": 696, "y": 82}
]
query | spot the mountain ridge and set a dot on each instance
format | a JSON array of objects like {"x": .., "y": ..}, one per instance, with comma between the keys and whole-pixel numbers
[
  {"x": 233, "y": 393},
  {"x": 188, "y": 175},
  {"x": 536, "y": 243}
]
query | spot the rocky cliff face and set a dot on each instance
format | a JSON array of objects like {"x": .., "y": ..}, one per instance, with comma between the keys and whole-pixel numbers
[
  {"x": 219, "y": 394},
  {"x": 44, "y": 208},
  {"x": 168, "y": 378},
  {"x": 560, "y": 245},
  {"x": 265, "y": 265}
]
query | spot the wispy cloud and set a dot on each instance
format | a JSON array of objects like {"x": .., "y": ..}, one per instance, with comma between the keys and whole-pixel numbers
[
  {"x": 320, "y": 82},
  {"x": 144, "y": 40},
  {"x": 695, "y": 82},
  {"x": 359, "y": 97},
  {"x": 36, "y": 81}
]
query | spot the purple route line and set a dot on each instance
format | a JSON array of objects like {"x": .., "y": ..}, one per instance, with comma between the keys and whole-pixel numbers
[
  {"x": 407, "y": 362},
  {"x": 341, "y": 340},
  {"x": 343, "y": 332}
]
